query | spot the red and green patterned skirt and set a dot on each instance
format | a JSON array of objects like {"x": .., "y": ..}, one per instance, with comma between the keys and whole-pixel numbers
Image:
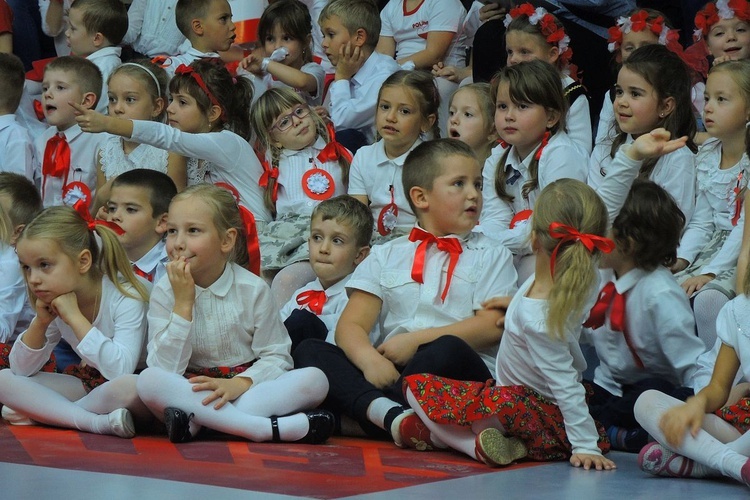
[
  {"x": 523, "y": 412},
  {"x": 218, "y": 371},
  {"x": 737, "y": 414},
  {"x": 88, "y": 375},
  {"x": 48, "y": 367}
]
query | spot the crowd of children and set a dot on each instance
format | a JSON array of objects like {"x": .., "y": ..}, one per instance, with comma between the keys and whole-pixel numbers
[{"x": 275, "y": 242}]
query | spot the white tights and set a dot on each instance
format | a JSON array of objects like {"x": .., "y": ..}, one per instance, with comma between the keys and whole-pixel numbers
[
  {"x": 718, "y": 445},
  {"x": 60, "y": 400},
  {"x": 248, "y": 415},
  {"x": 706, "y": 306},
  {"x": 289, "y": 280}
]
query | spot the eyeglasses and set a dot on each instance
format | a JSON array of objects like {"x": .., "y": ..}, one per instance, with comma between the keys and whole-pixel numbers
[{"x": 286, "y": 121}]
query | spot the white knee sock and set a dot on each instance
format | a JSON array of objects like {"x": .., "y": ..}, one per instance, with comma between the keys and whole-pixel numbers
[
  {"x": 289, "y": 280},
  {"x": 704, "y": 449},
  {"x": 706, "y": 306},
  {"x": 43, "y": 404}
]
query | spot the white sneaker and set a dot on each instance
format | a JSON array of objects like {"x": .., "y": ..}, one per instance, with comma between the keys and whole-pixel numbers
[
  {"x": 121, "y": 423},
  {"x": 15, "y": 418}
]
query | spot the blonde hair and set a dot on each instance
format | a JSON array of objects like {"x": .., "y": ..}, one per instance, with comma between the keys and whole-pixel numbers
[
  {"x": 739, "y": 72},
  {"x": 71, "y": 233},
  {"x": 225, "y": 216},
  {"x": 265, "y": 111},
  {"x": 6, "y": 228},
  {"x": 573, "y": 203},
  {"x": 483, "y": 93}
]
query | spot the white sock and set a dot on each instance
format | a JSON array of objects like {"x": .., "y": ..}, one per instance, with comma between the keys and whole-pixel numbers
[{"x": 378, "y": 409}]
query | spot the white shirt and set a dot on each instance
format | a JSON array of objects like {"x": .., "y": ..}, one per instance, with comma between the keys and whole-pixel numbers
[
  {"x": 372, "y": 174},
  {"x": 154, "y": 263},
  {"x": 231, "y": 158},
  {"x": 531, "y": 357},
  {"x": 152, "y": 29},
  {"x": 578, "y": 120},
  {"x": 336, "y": 300},
  {"x": 353, "y": 102},
  {"x": 292, "y": 166},
  {"x": 16, "y": 148},
  {"x": 606, "y": 119},
  {"x": 316, "y": 7},
  {"x": 61, "y": 42},
  {"x": 561, "y": 158},
  {"x": 15, "y": 309},
  {"x": 106, "y": 59},
  {"x": 661, "y": 328},
  {"x": 484, "y": 270},
  {"x": 189, "y": 55},
  {"x": 313, "y": 69},
  {"x": 234, "y": 322},
  {"x": 113, "y": 345},
  {"x": 716, "y": 202},
  {"x": 114, "y": 161},
  {"x": 83, "y": 166},
  {"x": 675, "y": 172},
  {"x": 409, "y": 29}
]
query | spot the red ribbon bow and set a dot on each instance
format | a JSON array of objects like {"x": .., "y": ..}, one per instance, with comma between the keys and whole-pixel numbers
[
  {"x": 56, "y": 160},
  {"x": 183, "y": 69},
  {"x": 83, "y": 210},
  {"x": 609, "y": 296},
  {"x": 566, "y": 234},
  {"x": 268, "y": 174},
  {"x": 251, "y": 230},
  {"x": 313, "y": 299},
  {"x": 450, "y": 245},
  {"x": 333, "y": 150}
]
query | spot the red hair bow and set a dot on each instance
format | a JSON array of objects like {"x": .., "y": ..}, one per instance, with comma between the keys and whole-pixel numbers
[
  {"x": 333, "y": 150},
  {"x": 83, "y": 210},
  {"x": 251, "y": 230},
  {"x": 566, "y": 234},
  {"x": 268, "y": 174},
  {"x": 183, "y": 69}
]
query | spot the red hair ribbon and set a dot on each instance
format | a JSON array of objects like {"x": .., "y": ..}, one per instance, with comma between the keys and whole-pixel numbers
[
  {"x": 251, "y": 230},
  {"x": 450, "y": 245},
  {"x": 333, "y": 150},
  {"x": 545, "y": 141},
  {"x": 610, "y": 296},
  {"x": 83, "y": 210},
  {"x": 313, "y": 299},
  {"x": 566, "y": 234},
  {"x": 268, "y": 174},
  {"x": 183, "y": 69}
]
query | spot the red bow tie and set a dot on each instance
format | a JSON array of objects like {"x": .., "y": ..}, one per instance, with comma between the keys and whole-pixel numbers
[
  {"x": 313, "y": 299},
  {"x": 610, "y": 296},
  {"x": 450, "y": 245},
  {"x": 143, "y": 274}
]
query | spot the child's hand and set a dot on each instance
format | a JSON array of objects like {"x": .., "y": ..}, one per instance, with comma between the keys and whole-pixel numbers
[
  {"x": 678, "y": 420},
  {"x": 89, "y": 120},
  {"x": 721, "y": 59},
  {"x": 66, "y": 306},
  {"x": 351, "y": 58},
  {"x": 45, "y": 313},
  {"x": 588, "y": 461},
  {"x": 692, "y": 285},
  {"x": 223, "y": 389},
  {"x": 399, "y": 349},
  {"x": 679, "y": 265},
  {"x": 321, "y": 111},
  {"x": 183, "y": 287},
  {"x": 450, "y": 73},
  {"x": 492, "y": 10},
  {"x": 655, "y": 143},
  {"x": 252, "y": 62},
  {"x": 500, "y": 304},
  {"x": 380, "y": 372},
  {"x": 102, "y": 213}
]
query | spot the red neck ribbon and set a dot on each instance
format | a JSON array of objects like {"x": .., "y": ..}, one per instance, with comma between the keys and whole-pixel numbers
[
  {"x": 450, "y": 245},
  {"x": 56, "y": 156},
  {"x": 314, "y": 299},
  {"x": 143, "y": 274},
  {"x": 568, "y": 234},
  {"x": 333, "y": 150}
]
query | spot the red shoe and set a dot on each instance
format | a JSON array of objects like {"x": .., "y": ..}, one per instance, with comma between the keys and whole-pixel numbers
[{"x": 412, "y": 433}]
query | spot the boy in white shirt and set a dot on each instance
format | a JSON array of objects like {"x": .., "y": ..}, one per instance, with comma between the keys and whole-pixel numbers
[
  {"x": 138, "y": 202},
  {"x": 65, "y": 156},
  {"x": 425, "y": 291},
  {"x": 340, "y": 230},
  {"x": 351, "y": 29},
  {"x": 16, "y": 147}
]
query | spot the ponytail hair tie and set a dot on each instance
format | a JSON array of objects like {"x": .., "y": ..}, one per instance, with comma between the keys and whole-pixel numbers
[
  {"x": 83, "y": 210},
  {"x": 567, "y": 234},
  {"x": 183, "y": 69}
]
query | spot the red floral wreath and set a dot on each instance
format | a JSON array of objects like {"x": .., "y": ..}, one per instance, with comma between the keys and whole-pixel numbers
[{"x": 710, "y": 15}]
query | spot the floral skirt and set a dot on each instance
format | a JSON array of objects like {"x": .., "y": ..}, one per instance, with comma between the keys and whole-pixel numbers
[
  {"x": 284, "y": 242},
  {"x": 218, "y": 371},
  {"x": 738, "y": 414},
  {"x": 523, "y": 412},
  {"x": 89, "y": 376},
  {"x": 48, "y": 367}
]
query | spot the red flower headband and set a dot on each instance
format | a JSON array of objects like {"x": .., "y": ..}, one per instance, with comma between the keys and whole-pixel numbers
[
  {"x": 639, "y": 22},
  {"x": 183, "y": 69},
  {"x": 548, "y": 27},
  {"x": 716, "y": 11}
]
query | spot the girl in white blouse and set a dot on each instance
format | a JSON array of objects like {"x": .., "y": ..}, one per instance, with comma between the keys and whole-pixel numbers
[
  {"x": 215, "y": 322},
  {"x": 538, "y": 407},
  {"x": 89, "y": 296},
  {"x": 303, "y": 165}
]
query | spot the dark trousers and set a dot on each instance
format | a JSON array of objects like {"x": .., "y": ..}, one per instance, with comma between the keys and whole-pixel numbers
[
  {"x": 615, "y": 410},
  {"x": 351, "y": 394},
  {"x": 303, "y": 324}
]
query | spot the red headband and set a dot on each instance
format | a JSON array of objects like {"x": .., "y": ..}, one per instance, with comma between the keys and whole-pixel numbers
[
  {"x": 567, "y": 234},
  {"x": 83, "y": 210},
  {"x": 182, "y": 69}
]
